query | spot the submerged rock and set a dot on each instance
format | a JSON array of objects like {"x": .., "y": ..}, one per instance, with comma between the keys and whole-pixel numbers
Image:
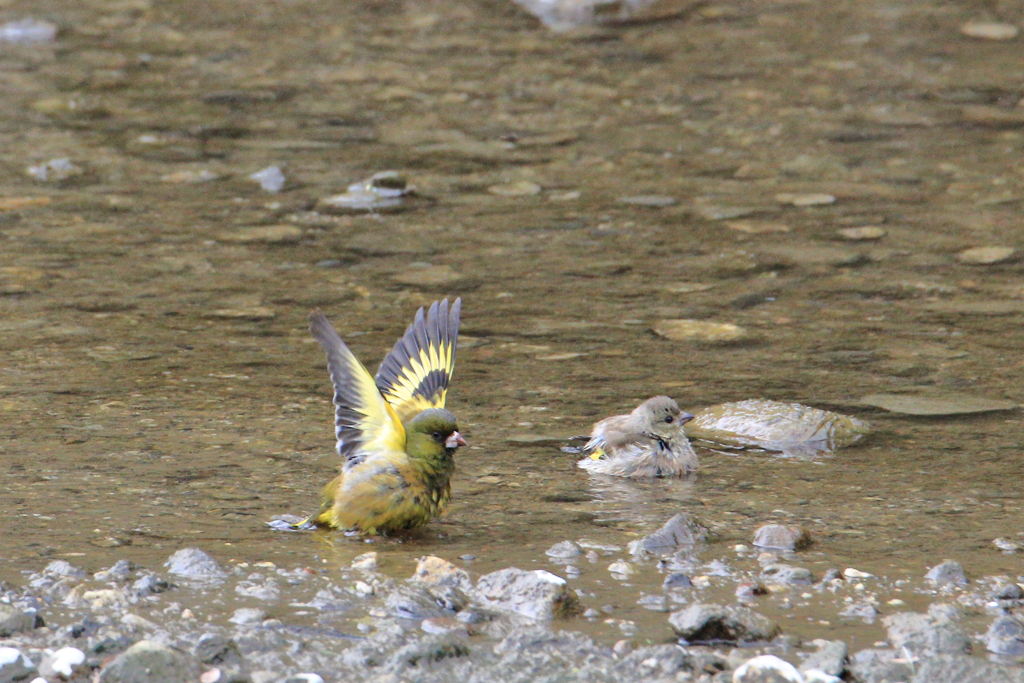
[
  {"x": 380, "y": 192},
  {"x": 680, "y": 530},
  {"x": 790, "y": 428},
  {"x": 936, "y": 404},
  {"x": 701, "y": 622},
  {"x": 700, "y": 331}
]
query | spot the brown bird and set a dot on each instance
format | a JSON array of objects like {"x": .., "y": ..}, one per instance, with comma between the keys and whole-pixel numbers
[
  {"x": 649, "y": 442},
  {"x": 396, "y": 438}
]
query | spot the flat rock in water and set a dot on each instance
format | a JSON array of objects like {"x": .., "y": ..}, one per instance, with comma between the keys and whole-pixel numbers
[
  {"x": 656, "y": 201},
  {"x": 702, "y": 622},
  {"x": 936, "y": 404},
  {"x": 947, "y": 573},
  {"x": 435, "y": 571},
  {"x": 680, "y": 530},
  {"x": 193, "y": 563},
  {"x": 863, "y": 233},
  {"x": 538, "y": 594},
  {"x": 790, "y": 428},
  {"x": 700, "y": 330},
  {"x": 985, "y": 256},
  {"x": 268, "y": 234},
  {"x": 757, "y": 227},
  {"x": 148, "y": 661}
]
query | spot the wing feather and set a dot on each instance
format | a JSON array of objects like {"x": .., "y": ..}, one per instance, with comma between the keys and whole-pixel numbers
[
  {"x": 415, "y": 374},
  {"x": 364, "y": 422}
]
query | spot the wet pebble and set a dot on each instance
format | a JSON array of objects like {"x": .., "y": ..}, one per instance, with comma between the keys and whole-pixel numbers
[
  {"x": 785, "y": 574},
  {"x": 947, "y": 573},
  {"x": 936, "y": 404},
  {"x": 435, "y": 571},
  {"x": 564, "y": 550},
  {"x": 271, "y": 179},
  {"x": 247, "y": 615},
  {"x": 757, "y": 227},
  {"x": 865, "y": 611},
  {"x": 520, "y": 188},
  {"x": 267, "y": 234},
  {"x": 700, "y": 330},
  {"x": 366, "y": 562},
  {"x": 380, "y": 192},
  {"x": 1007, "y": 546},
  {"x": 656, "y": 201},
  {"x": 782, "y": 537},
  {"x": 989, "y": 30},
  {"x": 861, "y": 234},
  {"x": 193, "y": 563},
  {"x": 986, "y": 256},
  {"x": 27, "y": 31}
]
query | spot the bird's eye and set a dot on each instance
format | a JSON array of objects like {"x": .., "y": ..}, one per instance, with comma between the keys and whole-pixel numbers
[
  {"x": 669, "y": 419},
  {"x": 437, "y": 436}
]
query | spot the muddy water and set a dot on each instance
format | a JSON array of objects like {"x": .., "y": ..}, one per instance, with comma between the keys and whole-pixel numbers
[{"x": 159, "y": 388}]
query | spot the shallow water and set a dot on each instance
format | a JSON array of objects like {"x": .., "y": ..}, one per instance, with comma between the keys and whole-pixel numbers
[{"x": 159, "y": 388}]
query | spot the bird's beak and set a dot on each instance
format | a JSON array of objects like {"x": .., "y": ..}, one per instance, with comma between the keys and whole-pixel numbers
[
  {"x": 684, "y": 418},
  {"x": 455, "y": 440}
]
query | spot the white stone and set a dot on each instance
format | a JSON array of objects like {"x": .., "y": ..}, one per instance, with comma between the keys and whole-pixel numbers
[{"x": 767, "y": 663}]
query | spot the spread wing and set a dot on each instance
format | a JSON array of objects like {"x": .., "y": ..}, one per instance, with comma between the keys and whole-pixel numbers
[
  {"x": 415, "y": 375},
  {"x": 364, "y": 422}
]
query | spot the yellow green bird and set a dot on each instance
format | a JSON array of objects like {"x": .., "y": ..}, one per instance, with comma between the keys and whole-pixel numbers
[{"x": 396, "y": 438}]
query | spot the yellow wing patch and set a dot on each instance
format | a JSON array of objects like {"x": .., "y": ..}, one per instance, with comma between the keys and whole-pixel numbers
[
  {"x": 415, "y": 374},
  {"x": 364, "y": 422}
]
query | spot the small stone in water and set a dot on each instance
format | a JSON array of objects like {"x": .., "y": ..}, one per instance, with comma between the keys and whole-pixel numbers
[
  {"x": 851, "y": 573},
  {"x": 985, "y": 256},
  {"x": 766, "y": 668},
  {"x": 948, "y": 573},
  {"x": 380, "y": 191},
  {"x": 270, "y": 179},
  {"x": 656, "y": 201},
  {"x": 621, "y": 570},
  {"x": 54, "y": 171},
  {"x": 520, "y": 188},
  {"x": 27, "y": 31},
  {"x": 564, "y": 550},
  {"x": 867, "y": 232},
  {"x": 366, "y": 562},
  {"x": 699, "y": 330},
  {"x": 247, "y": 615},
  {"x": 989, "y": 30},
  {"x": 1005, "y": 545},
  {"x": 781, "y": 537},
  {"x": 811, "y": 199},
  {"x": 756, "y": 227},
  {"x": 190, "y": 177}
]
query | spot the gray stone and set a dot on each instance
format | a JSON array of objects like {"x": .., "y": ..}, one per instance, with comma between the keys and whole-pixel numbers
[
  {"x": 1006, "y": 636},
  {"x": 949, "y": 573},
  {"x": 14, "y": 666},
  {"x": 881, "y": 666},
  {"x": 564, "y": 550},
  {"x": 860, "y": 610},
  {"x": 925, "y": 634},
  {"x": 701, "y": 622},
  {"x": 766, "y": 669},
  {"x": 782, "y": 537},
  {"x": 949, "y": 668},
  {"x": 411, "y": 601},
  {"x": 193, "y": 563},
  {"x": 64, "y": 569},
  {"x": 1008, "y": 591},
  {"x": 787, "y": 575},
  {"x": 150, "y": 662},
  {"x": 680, "y": 530},
  {"x": 676, "y": 580},
  {"x": 830, "y": 657},
  {"x": 537, "y": 594},
  {"x": 150, "y": 584},
  {"x": 215, "y": 650},
  {"x": 657, "y": 660},
  {"x": 434, "y": 571},
  {"x": 13, "y": 620}
]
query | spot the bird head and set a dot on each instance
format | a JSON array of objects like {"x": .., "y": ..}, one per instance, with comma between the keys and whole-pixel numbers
[
  {"x": 433, "y": 434},
  {"x": 662, "y": 416}
]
